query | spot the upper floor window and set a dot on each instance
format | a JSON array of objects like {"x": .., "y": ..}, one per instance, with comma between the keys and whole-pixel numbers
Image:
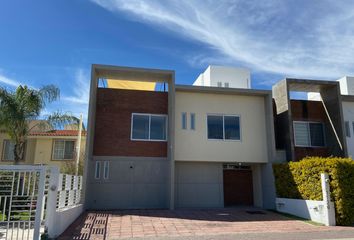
[
  {"x": 219, "y": 84},
  {"x": 347, "y": 129},
  {"x": 184, "y": 120},
  {"x": 309, "y": 134},
  {"x": 63, "y": 149},
  {"x": 226, "y": 84},
  {"x": 192, "y": 121},
  {"x": 8, "y": 150},
  {"x": 149, "y": 127},
  {"x": 224, "y": 127}
]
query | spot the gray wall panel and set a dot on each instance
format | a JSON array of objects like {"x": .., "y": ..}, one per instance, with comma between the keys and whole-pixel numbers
[{"x": 199, "y": 184}]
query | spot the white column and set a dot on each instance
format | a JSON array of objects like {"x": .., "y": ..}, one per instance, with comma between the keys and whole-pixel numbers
[
  {"x": 52, "y": 201},
  {"x": 329, "y": 213},
  {"x": 39, "y": 204}
]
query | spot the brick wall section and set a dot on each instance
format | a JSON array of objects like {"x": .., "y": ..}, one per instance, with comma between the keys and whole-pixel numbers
[
  {"x": 310, "y": 111},
  {"x": 113, "y": 122}
]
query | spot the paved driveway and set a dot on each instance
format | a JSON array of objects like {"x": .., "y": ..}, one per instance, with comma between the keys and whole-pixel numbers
[{"x": 184, "y": 224}]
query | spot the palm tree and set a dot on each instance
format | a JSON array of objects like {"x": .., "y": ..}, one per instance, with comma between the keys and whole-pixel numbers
[{"x": 19, "y": 107}]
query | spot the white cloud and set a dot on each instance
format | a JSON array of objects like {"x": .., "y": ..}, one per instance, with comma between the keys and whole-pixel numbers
[
  {"x": 8, "y": 81},
  {"x": 295, "y": 38},
  {"x": 81, "y": 88}
]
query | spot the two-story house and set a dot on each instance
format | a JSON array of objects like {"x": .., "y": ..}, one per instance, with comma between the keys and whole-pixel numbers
[
  {"x": 45, "y": 146},
  {"x": 154, "y": 144}
]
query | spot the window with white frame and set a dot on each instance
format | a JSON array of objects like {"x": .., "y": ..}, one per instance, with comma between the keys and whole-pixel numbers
[
  {"x": 347, "y": 128},
  {"x": 8, "y": 150},
  {"x": 224, "y": 127},
  {"x": 106, "y": 169},
  {"x": 192, "y": 121},
  {"x": 63, "y": 150},
  {"x": 149, "y": 127},
  {"x": 98, "y": 170},
  {"x": 309, "y": 134},
  {"x": 184, "y": 120}
]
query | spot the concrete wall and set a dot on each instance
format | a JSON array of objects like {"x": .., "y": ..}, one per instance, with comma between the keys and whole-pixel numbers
[
  {"x": 308, "y": 209},
  {"x": 193, "y": 145},
  {"x": 236, "y": 77},
  {"x": 348, "y": 115},
  {"x": 134, "y": 182},
  {"x": 64, "y": 218}
]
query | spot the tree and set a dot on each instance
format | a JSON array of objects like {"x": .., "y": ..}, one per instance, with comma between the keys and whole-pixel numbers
[{"x": 19, "y": 107}]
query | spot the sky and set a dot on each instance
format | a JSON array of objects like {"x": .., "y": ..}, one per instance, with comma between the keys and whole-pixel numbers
[{"x": 55, "y": 42}]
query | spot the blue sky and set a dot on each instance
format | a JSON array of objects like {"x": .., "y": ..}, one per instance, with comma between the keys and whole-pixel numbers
[{"x": 55, "y": 42}]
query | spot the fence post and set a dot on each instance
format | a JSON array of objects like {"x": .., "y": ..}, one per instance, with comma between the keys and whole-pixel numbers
[
  {"x": 330, "y": 218},
  {"x": 52, "y": 201},
  {"x": 39, "y": 203}
]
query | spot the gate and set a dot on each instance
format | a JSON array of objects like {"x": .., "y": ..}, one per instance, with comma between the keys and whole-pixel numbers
[{"x": 22, "y": 201}]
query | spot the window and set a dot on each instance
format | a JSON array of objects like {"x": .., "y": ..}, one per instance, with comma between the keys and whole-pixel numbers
[
  {"x": 63, "y": 150},
  {"x": 97, "y": 170},
  {"x": 353, "y": 126},
  {"x": 219, "y": 84},
  {"x": 105, "y": 169},
  {"x": 232, "y": 127},
  {"x": 8, "y": 150},
  {"x": 309, "y": 134},
  {"x": 224, "y": 127},
  {"x": 226, "y": 84},
  {"x": 192, "y": 121},
  {"x": 149, "y": 127},
  {"x": 184, "y": 120},
  {"x": 347, "y": 129}
]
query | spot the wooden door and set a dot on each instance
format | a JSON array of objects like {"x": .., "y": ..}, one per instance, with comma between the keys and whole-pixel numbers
[{"x": 238, "y": 187}]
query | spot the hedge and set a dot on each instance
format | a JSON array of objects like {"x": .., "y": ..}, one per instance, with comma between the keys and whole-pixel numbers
[{"x": 302, "y": 180}]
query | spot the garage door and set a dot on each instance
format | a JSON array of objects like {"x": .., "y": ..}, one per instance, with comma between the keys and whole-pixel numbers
[
  {"x": 238, "y": 187},
  {"x": 132, "y": 184}
]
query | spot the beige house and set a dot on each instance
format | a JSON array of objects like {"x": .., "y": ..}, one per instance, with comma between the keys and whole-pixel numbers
[{"x": 51, "y": 147}]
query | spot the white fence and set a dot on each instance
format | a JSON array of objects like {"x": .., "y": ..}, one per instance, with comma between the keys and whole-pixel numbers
[
  {"x": 317, "y": 211},
  {"x": 35, "y": 198}
]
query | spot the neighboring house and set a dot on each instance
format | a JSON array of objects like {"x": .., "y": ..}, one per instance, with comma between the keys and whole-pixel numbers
[
  {"x": 309, "y": 128},
  {"x": 347, "y": 91},
  {"x": 183, "y": 146},
  {"x": 228, "y": 77},
  {"x": 50, "y": 147}
]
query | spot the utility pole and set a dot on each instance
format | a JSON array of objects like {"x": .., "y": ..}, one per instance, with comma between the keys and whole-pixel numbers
[{"x": 78, "y": 147}]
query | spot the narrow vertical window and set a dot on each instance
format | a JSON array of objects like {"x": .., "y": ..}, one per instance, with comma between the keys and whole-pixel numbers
[
  {"x": 184, "y": 120},
  {"x": 353, "y": 126},
  {"x": 97, "y": 170},
  {"x": 347, "y": 129},
  {"x": 106, "y": 169},
  {"x": 226, "y": 84},
  {"x": 219, "y": 84},
  {"x": 192, "y": 121}
]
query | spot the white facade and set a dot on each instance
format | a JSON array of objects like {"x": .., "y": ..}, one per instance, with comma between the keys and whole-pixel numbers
[
  {"x": 346, "y": 85},
  {"x": 219, "y": 76},
  {"x": 347, "y": 88}
]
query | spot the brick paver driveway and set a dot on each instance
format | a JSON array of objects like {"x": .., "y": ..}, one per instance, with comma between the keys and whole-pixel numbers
[{"x": 160, "y": 223}]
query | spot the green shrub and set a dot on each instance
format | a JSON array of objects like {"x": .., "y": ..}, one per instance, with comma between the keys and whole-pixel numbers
[{"x": 302, "y": 180}]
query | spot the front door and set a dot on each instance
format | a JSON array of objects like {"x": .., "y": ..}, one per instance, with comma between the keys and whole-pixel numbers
[{"x": 238, "y": 187}]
